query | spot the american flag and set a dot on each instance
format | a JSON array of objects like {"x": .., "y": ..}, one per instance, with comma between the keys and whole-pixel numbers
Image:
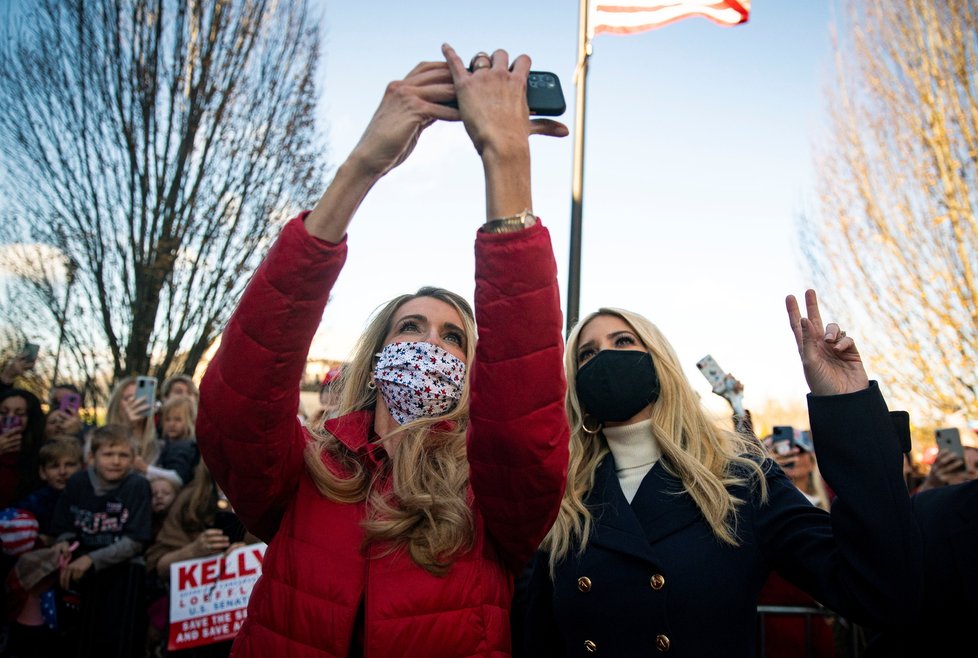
[
  {"x": 640, "y": 16},
  {"x": 18, "y": 530}
]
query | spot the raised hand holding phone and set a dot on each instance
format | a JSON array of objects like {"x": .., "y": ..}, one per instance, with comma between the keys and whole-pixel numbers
[
  {"x": 544, "y": 95},
  {"x": 11, "y": 432},
  {"x": 144, "y": 402},
  {"x": 69, "y": 403},
  {"x": 724, "y": 384},
  {"x": 948, "y": 439}
]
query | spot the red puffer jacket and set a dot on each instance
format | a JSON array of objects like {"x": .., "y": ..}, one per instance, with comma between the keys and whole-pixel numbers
[{"x": 316, "y": 576}]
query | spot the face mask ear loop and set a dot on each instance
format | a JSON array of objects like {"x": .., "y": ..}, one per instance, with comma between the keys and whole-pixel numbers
[{"x": 371, "y": 384}]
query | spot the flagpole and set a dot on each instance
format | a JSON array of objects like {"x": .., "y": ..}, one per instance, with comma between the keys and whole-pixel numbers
[{"x": 577, "y": 187}]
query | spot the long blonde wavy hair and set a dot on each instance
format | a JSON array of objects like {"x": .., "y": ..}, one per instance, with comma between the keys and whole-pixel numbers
[
  {"x": 144, "y": 437},
  {"x": 426, "y": 511},
  {"x": 706, "y": 458}
]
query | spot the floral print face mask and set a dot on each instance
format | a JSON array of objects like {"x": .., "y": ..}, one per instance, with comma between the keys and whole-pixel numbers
[{"x": 418, "y": 380}]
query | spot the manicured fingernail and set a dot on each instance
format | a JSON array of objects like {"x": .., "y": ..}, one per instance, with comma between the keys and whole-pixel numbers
[{"x": 828, "y": 336}]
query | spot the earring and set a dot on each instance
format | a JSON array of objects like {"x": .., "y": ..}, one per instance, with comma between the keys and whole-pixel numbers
[
  {"x": 371, "y": 385},
  {"x": 588, "y": 430}
]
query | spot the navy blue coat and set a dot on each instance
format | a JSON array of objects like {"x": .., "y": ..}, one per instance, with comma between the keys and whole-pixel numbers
[
  {"x": 654, "y": 579},
  {"x": 181, "y": 456},
  {"x": 948, "y": 521}
]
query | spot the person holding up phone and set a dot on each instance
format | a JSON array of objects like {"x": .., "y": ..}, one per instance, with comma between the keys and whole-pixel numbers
[
  {"x": 953, "y": 464},
  {"x": 64, "y": 413},
  {"x": 126, "y": 409},
  {"x": 671, "y": 523},
  {"x": 396, "y": 528},
  {"x": 18, "y": 366},
  {"x": 21, "y": 436}
]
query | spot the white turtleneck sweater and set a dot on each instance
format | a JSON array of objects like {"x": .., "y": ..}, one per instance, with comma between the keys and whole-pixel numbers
[{"x": 635, "y": 451}]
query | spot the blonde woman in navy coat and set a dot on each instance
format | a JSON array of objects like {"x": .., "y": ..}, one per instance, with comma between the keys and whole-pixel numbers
[{"x": 670, "y": 525}]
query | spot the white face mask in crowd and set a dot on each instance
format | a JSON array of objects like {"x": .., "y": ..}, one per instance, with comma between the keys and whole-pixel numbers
[{"x": 418, "y": 380}]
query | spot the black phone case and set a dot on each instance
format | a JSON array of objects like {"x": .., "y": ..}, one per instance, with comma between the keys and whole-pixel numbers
[
  {"x": 544, "y": 95},
  {"x": 229, "y": 523}
]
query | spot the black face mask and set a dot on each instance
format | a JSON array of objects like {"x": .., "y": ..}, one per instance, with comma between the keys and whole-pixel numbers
[{"x": 616, "y": 384}]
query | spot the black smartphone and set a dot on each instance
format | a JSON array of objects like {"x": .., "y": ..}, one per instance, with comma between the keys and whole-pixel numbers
[
  {"x": 29, "y": 351},
  {"x": 544, "y": 95},
  {"x": 783, "y": 438},
  {"x": 228, "y": 522}
]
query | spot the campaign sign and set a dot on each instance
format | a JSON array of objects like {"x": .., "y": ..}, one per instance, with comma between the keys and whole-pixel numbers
[{"x": 209, "y": 596}]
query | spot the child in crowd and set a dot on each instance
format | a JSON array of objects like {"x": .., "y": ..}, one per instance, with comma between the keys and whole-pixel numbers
[
  {"x": 59, "y": 460},
  {"x": 174, "y": 454},
  {"x": 164, "y": 493},
  {"x": 32, "y": 632},
  {"x": 106, "y": 510},
  {"x": 178, "y": 452},
  {"x": 175, "y": 386},
  {"x": 179, "y": 415}
]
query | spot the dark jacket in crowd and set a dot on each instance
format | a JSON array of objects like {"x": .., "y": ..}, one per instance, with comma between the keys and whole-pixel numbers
[
  {"x": 654, "y": 579},
  {"x": 181, "y": 456},
  {"x": 98, "y": 519},
  {"x": 948, "y": 520}
]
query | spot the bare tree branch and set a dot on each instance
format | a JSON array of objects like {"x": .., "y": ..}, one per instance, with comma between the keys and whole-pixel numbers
[
  {"x": 155, "y": 145},
  {"x": 898, "y": 186}
]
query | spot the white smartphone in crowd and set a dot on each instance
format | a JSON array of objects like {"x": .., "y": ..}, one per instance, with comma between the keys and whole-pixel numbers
[
  {"x": 721, "y": 383},
  {"x": 146, "y": 390},
  {"x": 949, "y": 440},
  {"x": 713, "y": 373}
]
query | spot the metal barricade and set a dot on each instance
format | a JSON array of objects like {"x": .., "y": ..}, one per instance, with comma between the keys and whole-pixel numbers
[{"x": 854, "y": 640}]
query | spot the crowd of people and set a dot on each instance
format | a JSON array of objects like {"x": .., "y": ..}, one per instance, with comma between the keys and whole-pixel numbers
[
  {"x": 520, "y": 494},
  {"x": 94, "y": 513}
]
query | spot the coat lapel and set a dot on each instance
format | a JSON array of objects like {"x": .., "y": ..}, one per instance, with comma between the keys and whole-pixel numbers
[
  {"x": 658, "y": 510},
  {"x": 662, "y": 505},
  {"x": 615, "y": 524}
]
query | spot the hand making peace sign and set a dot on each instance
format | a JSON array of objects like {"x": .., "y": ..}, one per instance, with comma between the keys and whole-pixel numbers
[{"x": 830, "y": 359}]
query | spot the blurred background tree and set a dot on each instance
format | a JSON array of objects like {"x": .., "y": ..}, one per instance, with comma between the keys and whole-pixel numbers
[
  {"x": 895, "y": 232},
  {"x": 151, "y": 148}
]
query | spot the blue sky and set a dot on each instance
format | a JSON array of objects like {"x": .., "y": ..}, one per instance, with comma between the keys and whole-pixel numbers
[{"x": 698, "y": 160}]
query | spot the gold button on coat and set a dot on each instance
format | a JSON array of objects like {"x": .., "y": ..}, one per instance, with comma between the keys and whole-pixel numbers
[
  {"x": 662, "y": 642},
  {"x": 584, "y": 584},
  {"x": 590, "y": 646},
  {"x": 658, "y": 581}
]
